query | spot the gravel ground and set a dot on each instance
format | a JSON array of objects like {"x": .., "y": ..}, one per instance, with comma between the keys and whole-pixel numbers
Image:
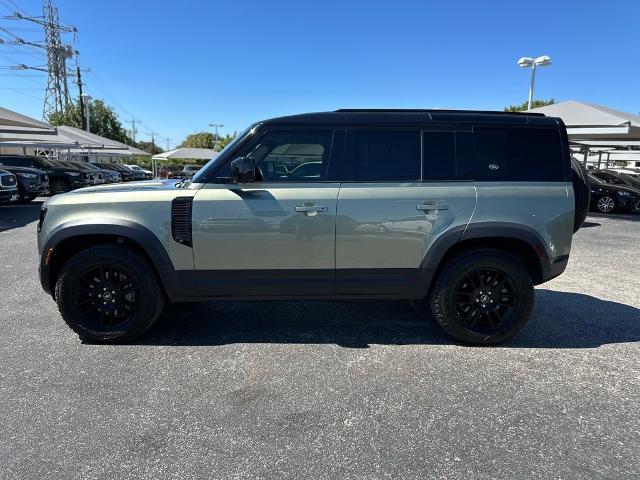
[{"x": 327, "y": 390}]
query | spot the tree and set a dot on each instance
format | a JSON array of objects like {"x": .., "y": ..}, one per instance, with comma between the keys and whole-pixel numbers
[
  {"x": 103, "y": 120},
  {"x": 207, "y": 140},
  {"x": 534, "y": 104},
  {"x": 147, "y": 147},
  {"x": 198, "y": 140}
]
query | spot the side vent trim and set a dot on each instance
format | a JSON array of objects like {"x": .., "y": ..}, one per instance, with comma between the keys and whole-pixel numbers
[{"x": 181, "y": 208}]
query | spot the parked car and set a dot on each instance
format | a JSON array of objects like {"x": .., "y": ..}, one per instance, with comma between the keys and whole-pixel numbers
[
  {"x": 170, "y": 171},
  {"x": 633, "y": 172},
  {"x": 8, "y": 187},
  {"x": 62, "y": 178},
  {"x": 31, "y": 182},
  {"x": 189, "y": 171},
  {"x": 612, "y": 197},
  {"x": 468, "y": 210},
  {"x": 617, "y": 178},
  {"x": 125, "y": 174},
  {"x": 107, "y": 176},
  {"x": 141, "y": 173}
]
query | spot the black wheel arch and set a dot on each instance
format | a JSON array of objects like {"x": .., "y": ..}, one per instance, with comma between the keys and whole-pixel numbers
[
  {"x": 519, "y": 240},
  {"x": 69, "y": 238}
]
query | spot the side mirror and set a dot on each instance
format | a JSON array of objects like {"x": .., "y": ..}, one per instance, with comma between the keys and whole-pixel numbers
[{"x": 243, "y": 170}]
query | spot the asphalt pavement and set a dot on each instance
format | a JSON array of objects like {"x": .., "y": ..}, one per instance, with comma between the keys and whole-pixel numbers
[{"x": 327, "y": 390}]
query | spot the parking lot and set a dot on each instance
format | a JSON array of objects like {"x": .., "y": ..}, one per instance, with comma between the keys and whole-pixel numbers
[{"x": 327, "y": 390}]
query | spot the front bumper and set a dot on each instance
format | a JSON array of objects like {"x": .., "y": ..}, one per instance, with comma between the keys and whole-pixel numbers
[
  {"x": 629, "y": 203},
  {"x": 8, "y": 195},
  {"x": 41, "y": 188}
]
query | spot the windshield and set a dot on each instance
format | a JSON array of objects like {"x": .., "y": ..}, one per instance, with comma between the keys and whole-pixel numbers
[
  {"x": 215, "y": 163},
  {"x": 594, "y": 179}
]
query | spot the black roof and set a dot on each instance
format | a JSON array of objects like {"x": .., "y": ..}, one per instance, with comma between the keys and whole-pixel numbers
[{"x": 349, "y": 116}]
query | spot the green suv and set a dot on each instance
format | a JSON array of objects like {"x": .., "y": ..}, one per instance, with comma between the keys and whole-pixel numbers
[{"x": 467, "y": 210}]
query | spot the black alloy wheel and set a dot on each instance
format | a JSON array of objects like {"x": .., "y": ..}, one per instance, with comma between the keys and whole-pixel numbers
[
  {"x": 482, "y": 296},
  {"x": 485, "y": 300},
  {"x": 105, "y": 296},
  {"x": 109, "y": 294}
]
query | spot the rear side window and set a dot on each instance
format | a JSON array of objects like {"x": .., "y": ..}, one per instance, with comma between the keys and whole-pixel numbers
[
  {"x": 447, "y": 155},
  {"x": 382, "y": 155},
  {"x": 518, "y": 154}
]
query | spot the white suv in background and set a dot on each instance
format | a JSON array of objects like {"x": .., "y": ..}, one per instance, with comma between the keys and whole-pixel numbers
[{"x": 139, "y": 172}]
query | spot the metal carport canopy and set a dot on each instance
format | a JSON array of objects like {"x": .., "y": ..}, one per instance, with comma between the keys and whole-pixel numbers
[{"x": 15, "y": 119}]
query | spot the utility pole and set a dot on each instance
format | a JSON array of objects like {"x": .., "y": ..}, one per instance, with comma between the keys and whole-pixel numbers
[
  {"x": 83, "y": 118},
  {"x": 167, "y": 139},
  {"x": 133, "y": 122},
  {"x": 153, "y": 145}
]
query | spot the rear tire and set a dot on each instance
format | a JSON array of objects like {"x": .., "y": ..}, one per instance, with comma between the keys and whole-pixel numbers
[
  {"x": 581, "y": 192},
  {"x": 59, "y": 185},
  {"x": 109, "y": 294},
  {"x": 482, "y": 297}
]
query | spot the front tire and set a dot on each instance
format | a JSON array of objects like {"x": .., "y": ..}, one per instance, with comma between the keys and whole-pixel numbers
[
  {"x": 109, "y": 294},
  {"x": 482, "y": 297}
]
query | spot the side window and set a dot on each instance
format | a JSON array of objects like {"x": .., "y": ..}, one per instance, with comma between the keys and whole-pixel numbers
[
  {"x": 438, "y": 156},
  {"x": 447, "y": 155},
  {"x": 381, "y": 155},
  {"x": 518, "y": 154},
  {"x": 293, "y": 155},
  {"x": 490, "y": 154},
  {"x": 536, "y": 154}
]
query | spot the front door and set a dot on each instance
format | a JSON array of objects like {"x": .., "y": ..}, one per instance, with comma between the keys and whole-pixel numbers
[{"x": 274, "y": 237}]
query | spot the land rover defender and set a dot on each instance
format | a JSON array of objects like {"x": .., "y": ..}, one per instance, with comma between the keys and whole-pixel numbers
[{"x": 465, "y": 210}]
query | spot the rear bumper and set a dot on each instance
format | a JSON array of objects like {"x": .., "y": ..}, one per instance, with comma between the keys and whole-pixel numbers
[{"x": 554, "y": 268}]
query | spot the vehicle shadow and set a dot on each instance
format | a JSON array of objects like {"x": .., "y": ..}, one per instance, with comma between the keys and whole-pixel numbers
[
  {"x": 588, "y": 224},
  {"x": 18, "y": 215},
  {"x": 559, "y": 320}
]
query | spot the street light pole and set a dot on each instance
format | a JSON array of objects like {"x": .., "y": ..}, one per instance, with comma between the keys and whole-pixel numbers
[
  {"x": 87, "y": 99},
  {"x": 533, "y": 81},
  {"x": 526, "y": 62},
  {"x": 216, "y": 125}
]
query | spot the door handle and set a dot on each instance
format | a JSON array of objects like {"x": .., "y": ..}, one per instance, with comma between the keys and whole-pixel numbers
[
  {"x": 432, "y": 206},
  {"x": 311, "y": 208}
]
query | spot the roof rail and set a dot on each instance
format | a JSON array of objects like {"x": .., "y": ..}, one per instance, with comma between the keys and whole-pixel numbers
[{"x": 433, "y": 110}]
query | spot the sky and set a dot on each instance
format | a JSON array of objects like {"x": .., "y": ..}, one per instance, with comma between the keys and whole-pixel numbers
[{"x": 179, "y": 66}]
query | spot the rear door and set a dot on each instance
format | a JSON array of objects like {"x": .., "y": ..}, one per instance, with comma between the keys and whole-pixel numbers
[
  {"x": 401, "y": 188},
  {"x": 275, "y": 236}
]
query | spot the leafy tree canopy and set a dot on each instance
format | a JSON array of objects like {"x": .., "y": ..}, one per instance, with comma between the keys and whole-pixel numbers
[
  {"x": 534, "y": 104},
  {"x": 103, "y": 120},
  {"x": 207, "y": 140}
]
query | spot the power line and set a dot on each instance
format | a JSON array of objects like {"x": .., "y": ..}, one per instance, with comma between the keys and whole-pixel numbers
[{"x": 21, "y": 92}]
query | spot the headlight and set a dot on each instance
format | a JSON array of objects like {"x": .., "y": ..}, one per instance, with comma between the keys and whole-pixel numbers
[
  {"x": 625, "y": 194},
  {"x": 27, "y": 175},
  {"x": 73, "y": 174}
]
